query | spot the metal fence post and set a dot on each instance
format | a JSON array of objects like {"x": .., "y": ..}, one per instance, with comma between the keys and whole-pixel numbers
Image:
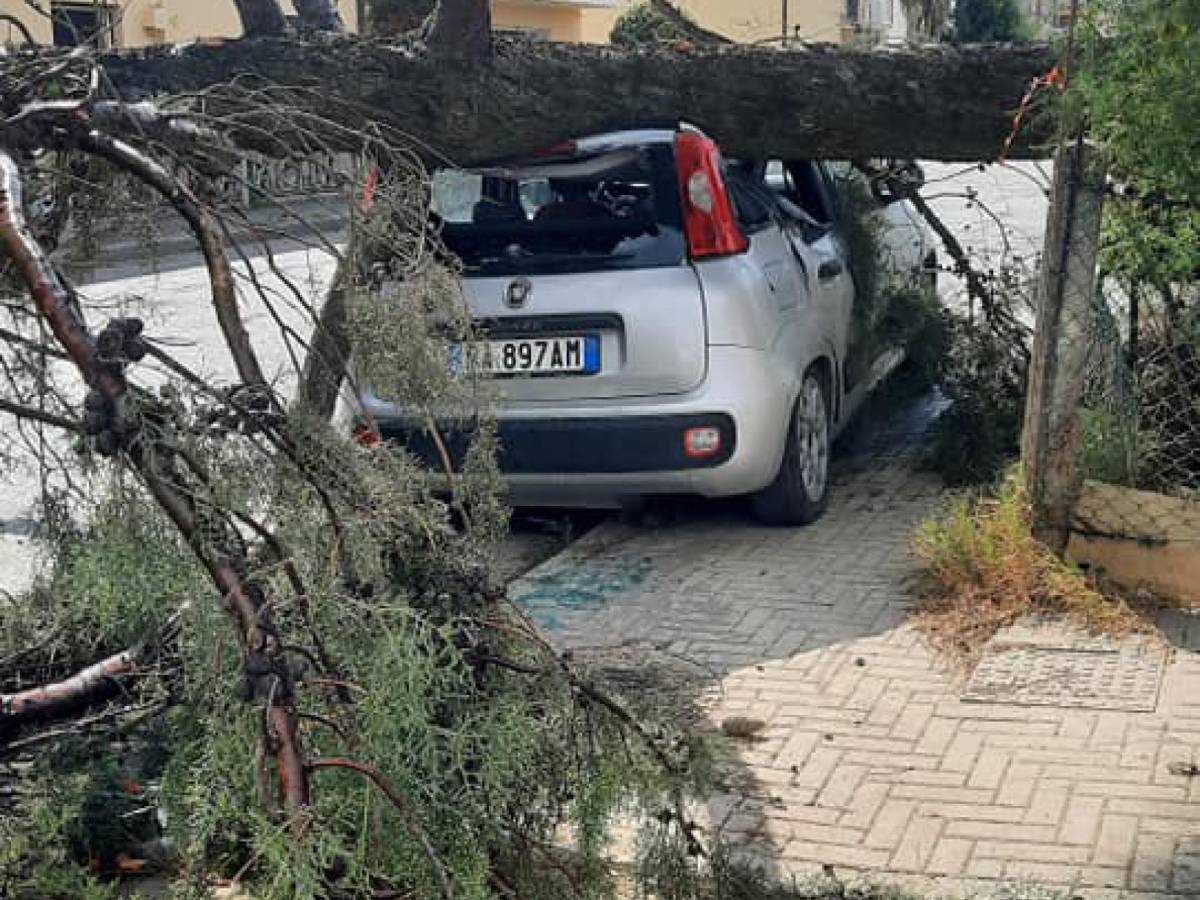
[{"x": 1052, "y": 431}]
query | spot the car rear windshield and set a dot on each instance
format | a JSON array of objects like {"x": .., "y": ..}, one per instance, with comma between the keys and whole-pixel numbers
[{"x": 612, "y": 209}]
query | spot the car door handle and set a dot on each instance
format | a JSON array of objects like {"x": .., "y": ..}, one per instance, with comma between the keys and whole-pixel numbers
[{"x": 829, "y": 269}]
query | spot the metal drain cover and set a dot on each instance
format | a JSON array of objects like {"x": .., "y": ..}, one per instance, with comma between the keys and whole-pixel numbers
[{"x": 1123, "y": 677}]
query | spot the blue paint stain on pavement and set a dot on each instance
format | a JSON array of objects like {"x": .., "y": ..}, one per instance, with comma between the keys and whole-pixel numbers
[{"x": 579, "y": 587}]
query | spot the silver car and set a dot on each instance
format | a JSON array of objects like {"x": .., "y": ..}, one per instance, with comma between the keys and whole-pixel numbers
[{"x": 661, "y": 320}]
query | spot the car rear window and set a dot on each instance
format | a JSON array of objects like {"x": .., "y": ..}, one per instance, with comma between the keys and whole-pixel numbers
[{"x": 612, "y": 209}]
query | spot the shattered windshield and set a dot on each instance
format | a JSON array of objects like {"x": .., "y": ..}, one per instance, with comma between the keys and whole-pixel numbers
[{"x": 617, "y": 208}]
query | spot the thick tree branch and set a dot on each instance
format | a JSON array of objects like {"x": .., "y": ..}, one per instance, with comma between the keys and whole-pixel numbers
[
  {"x": 261, "y": 18},
  {"x": 328, "y": 354},
  {"x": 320, "y": 15},
  {"x": 938, "y": 102},
  {"x": 461, "y": 29},
  {"x": 52, "y": 701}
]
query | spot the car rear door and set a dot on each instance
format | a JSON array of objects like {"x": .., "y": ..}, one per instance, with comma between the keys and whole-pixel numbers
[
  {"x": 770, "y": 252},
  {"x": 807, "y": 205}
]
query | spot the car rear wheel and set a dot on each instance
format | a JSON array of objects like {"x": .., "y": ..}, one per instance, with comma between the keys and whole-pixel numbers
[{"x": 800, "y": 491}]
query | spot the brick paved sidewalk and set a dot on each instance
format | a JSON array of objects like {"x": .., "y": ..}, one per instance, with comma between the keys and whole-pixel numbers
[{"x": 871, "y": 758}]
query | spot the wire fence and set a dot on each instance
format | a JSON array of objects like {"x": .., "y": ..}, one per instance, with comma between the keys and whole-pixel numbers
[{"x": 1140, "y": 406}]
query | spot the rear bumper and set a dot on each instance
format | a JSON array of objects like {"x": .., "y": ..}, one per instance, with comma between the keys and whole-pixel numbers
[
  {"x": 601, "y": 453},
  {"x": 602, "y": 445}
]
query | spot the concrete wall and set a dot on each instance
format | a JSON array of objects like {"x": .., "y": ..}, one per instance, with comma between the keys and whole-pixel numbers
[
  {"x": 1139, "y": 539},
  {"x": 144, "y": 22}
]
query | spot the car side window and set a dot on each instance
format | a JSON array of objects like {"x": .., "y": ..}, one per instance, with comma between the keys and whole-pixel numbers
[
  {"x": 752, "y": 206},
  {"x": 802, "y": 183}
]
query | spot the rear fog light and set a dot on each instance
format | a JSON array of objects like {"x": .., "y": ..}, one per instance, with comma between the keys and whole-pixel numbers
[{"x": 701, "y": 441}]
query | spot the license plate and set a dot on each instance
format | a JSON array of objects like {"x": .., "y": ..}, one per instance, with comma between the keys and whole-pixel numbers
[{"x": 542, "y": 356}]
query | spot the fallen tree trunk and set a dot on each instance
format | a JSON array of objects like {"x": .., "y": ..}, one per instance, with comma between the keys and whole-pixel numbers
[{"x": 938, "y": 102}]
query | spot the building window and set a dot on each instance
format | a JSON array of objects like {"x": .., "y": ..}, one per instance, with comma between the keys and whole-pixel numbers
[{"x": 82, "y": 23}]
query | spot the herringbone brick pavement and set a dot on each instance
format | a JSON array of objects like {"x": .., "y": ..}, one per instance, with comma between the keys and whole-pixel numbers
[{"x": 869, "y": 758}]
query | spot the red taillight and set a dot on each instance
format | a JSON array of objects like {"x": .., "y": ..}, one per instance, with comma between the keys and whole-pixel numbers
[
  {"x": 366, "y": 435},
  {"x": 708, "y": 218}
]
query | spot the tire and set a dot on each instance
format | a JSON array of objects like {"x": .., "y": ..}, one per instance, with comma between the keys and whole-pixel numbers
[{"x": 800, "y": 491}]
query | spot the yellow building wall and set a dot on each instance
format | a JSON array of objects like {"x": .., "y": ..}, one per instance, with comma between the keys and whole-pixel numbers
[
  {"x": 558, "y": 23},
  {"x": 39, "y": 26},
  {"x": 740, "y": 20},
  {"x": 747, "y": 21},
  {"x": 146, "y": 22},
  {"x": 597, "y": 24}
]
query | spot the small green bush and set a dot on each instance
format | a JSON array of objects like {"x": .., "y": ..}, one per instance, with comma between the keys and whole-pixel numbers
[
  {"x": 984, "y": 378},
  {"x": 982, "y": 21},
  {"x": 643, "y": 26}
]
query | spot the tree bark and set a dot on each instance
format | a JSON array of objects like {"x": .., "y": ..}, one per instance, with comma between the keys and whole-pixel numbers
[
  {"x": 325, "y": 364},
  {"x": 461, "y": 29},
  {"x": 261, "y": 18},
  {"x": 49, "y": 701},
  {"x": 939, "y": 102},
  {"x": 321, "y": 15}
]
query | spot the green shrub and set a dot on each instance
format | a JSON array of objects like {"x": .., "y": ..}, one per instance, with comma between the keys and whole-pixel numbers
[
  {"x": 981, "y": 21},
  {"x": 984, "y": 379},
  {"x": 643, "y": 26}
]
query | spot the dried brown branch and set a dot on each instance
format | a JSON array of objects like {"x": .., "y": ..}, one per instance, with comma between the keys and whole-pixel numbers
[{"x": 125, "y": 718}]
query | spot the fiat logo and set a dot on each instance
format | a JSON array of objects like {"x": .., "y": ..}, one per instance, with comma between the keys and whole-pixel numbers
[{"x": 518, "y": 293}]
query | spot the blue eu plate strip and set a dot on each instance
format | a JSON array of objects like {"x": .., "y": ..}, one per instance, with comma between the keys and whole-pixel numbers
[{"x": 591, "y": 355}]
